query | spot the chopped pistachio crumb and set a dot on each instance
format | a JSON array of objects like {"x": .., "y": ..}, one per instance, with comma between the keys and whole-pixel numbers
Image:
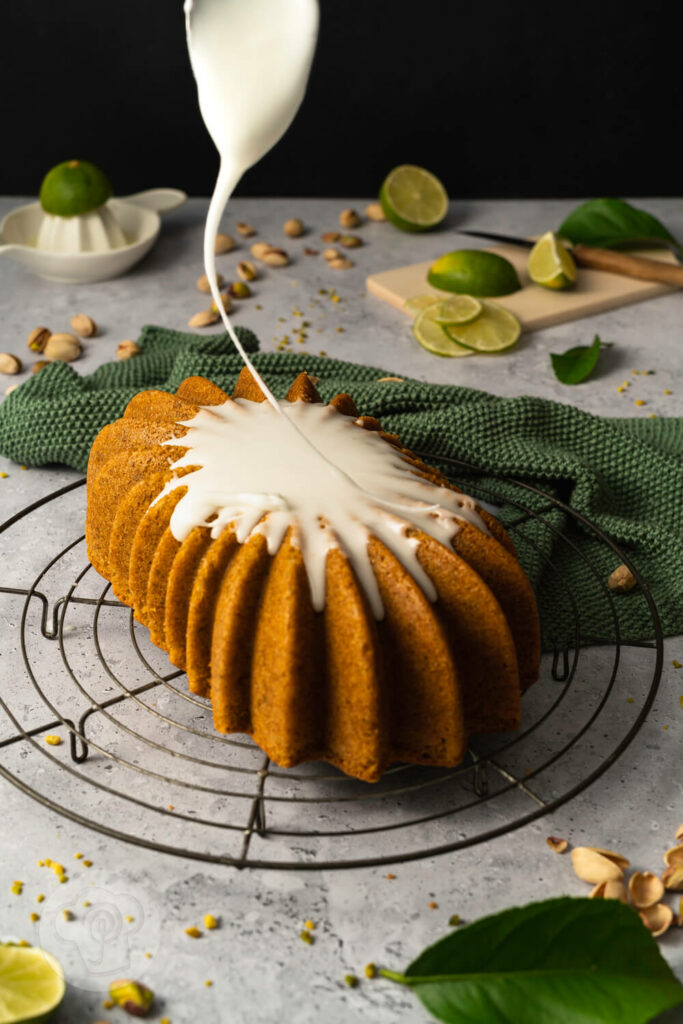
[
  {"x": 351, "y": 980},
  {"x": 35, "y": 917},
  {"x": 370, "y": 971},
  {"x": 40, "y": 897},
  {"x": 148, "y": 955},
  {"x": 390, "y": 876},
  {"x": 23, "y": 467},
  {"x": 210, "y": 922},
  {"x": 665, "y": 727},
  {"x": 86, "y": 903},
  {"x": 454, "y": 920},
  {"x": 306, "y": 937},
  {"x": 78, "y": 856},
  {"x": 108, "y": 1004},
  {"x": 87, "y": 863},
  {"x": 4, "y": 475},
  {"x": 129, "y": 918},
  {"x": 24, "y": 943},
  {"x": 208, "y": 983},
  {"x": 67, "y": 915},
  {"x": 676, "y": 664},
  {"x": 629, "y": 700},
  {"x": 52, "y": 740},
  {"x": 257, "y": 306},
  {"x": 433, "y": 905},
  {"x": 640, "y": 401},
  {"x": 310, "y": 925},
  {"x": 621, "y": 389},
  {"x": 193, "y": 932},
  {"x": 165, "y": 1020},
  {"x": 17, "y": 888},
  {"x": 653, "y": 416},
  {"x": 666, "y": 391}
]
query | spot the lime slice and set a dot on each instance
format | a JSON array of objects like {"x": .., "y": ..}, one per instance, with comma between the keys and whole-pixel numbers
[
  {"x": 474, "y": 272},
  {"x": 551, "y": 264},
  {"x": 420, "y": 302},
  {"x": 461, "y": 309},
  {"x": 31, "y": 985},
  {"x": 433, "y": 337},
  {"x": 494, "y": 330},
  {"x": 73, "y": 188},
  {"x": 413, "y": 199}
]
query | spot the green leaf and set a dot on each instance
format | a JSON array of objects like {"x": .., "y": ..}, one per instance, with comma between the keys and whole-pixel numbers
[
  {"x": 609, "y": 223},
  {"x": 574, "y": 365},
  {"x": 563, "y": 961}
]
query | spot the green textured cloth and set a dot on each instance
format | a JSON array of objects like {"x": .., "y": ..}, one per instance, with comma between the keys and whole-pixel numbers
[{"x": 623, "y": 475}]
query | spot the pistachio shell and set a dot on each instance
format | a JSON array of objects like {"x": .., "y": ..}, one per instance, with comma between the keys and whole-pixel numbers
[
  {"x": 679, "y": 834},
  {"x": 657, "y": 919},
  {"x": 674, "y": 856},
  {"x": 205, "y": 287},
  {"x": 592, "y": 866},
  {"x": 556, "y": 844},
  {"x": 612, "y": 855},
  {"x": 673, "y": 878},
  {"x": 645, "y": 889},
  {"x": 614, "y": 889}
]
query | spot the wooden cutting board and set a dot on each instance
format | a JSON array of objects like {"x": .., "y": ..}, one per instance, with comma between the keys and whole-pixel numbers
[{"x": 594, "y": 292}]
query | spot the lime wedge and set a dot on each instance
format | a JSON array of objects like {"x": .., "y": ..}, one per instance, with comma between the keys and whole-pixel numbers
[
  {"x": 73, "y": 188},
  {"x": 461, "y": 309},
  {"x": 494, "y": 330},
  {"x": 420, "y": 302},
  {"x": 474, "y": 272},
  {"x": 31, "y": 985},
  {"x": 413, "y": 199},
  {"x": 551, "y": 264},
  {"x": 433, "y": 337}
]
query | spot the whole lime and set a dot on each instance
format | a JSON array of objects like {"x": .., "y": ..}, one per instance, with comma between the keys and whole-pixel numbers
[
  {"x": 73, "y": 188},
  {"x": 474, "y": 272}
]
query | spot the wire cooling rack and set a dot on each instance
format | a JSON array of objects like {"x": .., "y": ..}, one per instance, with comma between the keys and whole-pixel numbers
[{"x": 140, "y": 761}]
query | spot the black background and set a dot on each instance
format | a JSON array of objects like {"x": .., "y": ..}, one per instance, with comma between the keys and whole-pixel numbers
[{"x": 497, "y": 98}]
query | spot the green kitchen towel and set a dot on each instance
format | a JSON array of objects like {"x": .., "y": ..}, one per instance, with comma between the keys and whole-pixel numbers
[{"x": 623, "y": 475}]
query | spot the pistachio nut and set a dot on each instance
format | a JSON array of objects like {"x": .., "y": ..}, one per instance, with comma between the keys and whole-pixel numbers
[
  {"x": 245, "y": 229},
  {"x": 349, "y": 218},
  {"x": 673, "y": 878},
  {"x": 645, "y": 889},
  {"x": 331, "y": 254},
  {"x": 126, "y": 349},
  {"x": 40, "y": 365},
  {"x": 206, "y": 318},
  {"x": 38, "y": 338},
  {"x": 132, "y": 996},
  {"x": 657, "y": 919},
  {"x": 341, "y": 263},
  {"x": 239, "y": 290},
  {"x": 374, "y": 211},
  {"x": 259, "y": 249},
  {"x": 205, "y": 287},
  {"x": 592, "y": 866},
  {"x": 614, "y": 889},
  {"x": 9, "y": 363},
  {"x": 83, "y": 325},
  {"x": 226, "y": 303},
  {"x": 246, "y": 270},
  {"x": 63, "y": 348},
  {"x": 350, "y": 241},
  {"x": 331, "y": 236},
  {"x": 223, "y": 243},
  {"x": 294, "y": 228},
  {"x": 276, "y": 258}
]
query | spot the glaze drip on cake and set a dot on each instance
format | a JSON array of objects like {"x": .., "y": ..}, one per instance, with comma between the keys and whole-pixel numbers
[{"x": 352, "y": 484}]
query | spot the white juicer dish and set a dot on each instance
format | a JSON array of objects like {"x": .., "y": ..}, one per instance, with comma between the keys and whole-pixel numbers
[{"x": 92, "y": 247}]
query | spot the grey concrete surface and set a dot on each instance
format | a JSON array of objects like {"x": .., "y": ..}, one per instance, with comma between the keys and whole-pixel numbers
[{"x": 261, "y": 970}]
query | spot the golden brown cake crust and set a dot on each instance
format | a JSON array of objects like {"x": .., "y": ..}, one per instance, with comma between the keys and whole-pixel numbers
[{"x": 335, "y": 685}]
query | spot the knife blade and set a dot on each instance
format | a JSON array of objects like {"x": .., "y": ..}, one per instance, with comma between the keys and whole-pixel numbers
[{"x": 610, "y": 260}]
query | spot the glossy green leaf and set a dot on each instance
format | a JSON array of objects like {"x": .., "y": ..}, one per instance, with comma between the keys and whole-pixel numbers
[
  {"x": 610, "y": 223},
  {"x": 574, "y": 365},
  {"x": 563, "y": 961}
]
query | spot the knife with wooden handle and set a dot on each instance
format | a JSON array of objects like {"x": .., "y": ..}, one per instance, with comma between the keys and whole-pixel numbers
[{"x": 611, "y": 260}]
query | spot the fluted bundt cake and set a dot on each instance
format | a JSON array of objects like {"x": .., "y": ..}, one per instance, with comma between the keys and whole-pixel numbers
[{"x": 332, "y": 595}]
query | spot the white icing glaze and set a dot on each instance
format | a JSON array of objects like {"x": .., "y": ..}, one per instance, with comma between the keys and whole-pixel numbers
[{"x": 335, "y": 494}]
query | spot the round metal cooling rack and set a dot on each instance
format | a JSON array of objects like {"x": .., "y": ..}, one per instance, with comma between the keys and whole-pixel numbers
[{"x": 142, "y": 762}]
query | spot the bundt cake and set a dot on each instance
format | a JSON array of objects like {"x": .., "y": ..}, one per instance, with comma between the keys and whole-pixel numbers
[{"x": 332, "y": 595}]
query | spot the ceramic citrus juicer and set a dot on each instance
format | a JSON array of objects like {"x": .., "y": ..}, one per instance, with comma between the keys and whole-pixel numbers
[{"x": 78, "y": 233}]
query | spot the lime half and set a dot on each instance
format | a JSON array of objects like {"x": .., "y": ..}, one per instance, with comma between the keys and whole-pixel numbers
[
  {"x": 494, "y": 330},
  {"x": 474, "y": 272},
  {"x": 420, "y": 302},
  {"x": 433, "y": 337},
  {"x": 413, "y": 199},
  {"x": 461, "y": 309},
  {"x": 31, "y": 985},
  {"x": 551, "y": 264},
  {"x": 73, "y": 188}
]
